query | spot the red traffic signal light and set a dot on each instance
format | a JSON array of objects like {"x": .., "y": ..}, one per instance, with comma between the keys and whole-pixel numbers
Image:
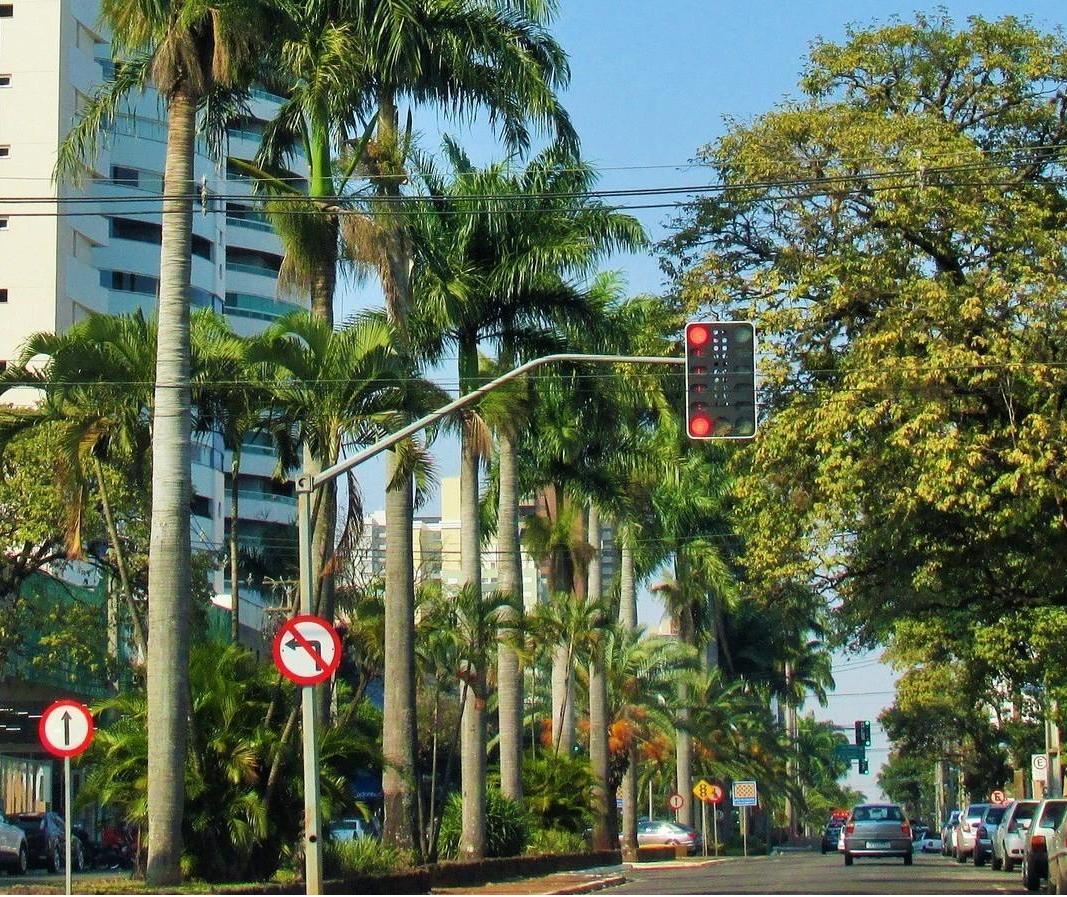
[{"x": 720, "y": 380}]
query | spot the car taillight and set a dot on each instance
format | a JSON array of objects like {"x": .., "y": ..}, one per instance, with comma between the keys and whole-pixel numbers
[
  {"x": 905, "y": 829},
  {"x": 1037, "y": 844},
  {"x": 850, "y": 828}
]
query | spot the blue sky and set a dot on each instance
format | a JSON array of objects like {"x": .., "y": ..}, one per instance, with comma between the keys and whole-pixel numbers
[{"x": 650, "y": 84}]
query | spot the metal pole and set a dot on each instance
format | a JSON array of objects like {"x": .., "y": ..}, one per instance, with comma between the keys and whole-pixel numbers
[
  {"x": 331, "y": 473},
  {"x": 715, "y": 827},
  {"x": 67, "y": 807},
  {"x": 650, "y": 798},
  {"x": 704, "y": 824},
  {"x": 312, "y": 841},
  {"x": 744, "y": 828},
  {"x": 1055, "y": 780}
]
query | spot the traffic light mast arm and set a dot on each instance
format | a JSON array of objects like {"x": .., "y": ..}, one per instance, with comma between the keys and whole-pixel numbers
[{"x": 309, "y": 483}]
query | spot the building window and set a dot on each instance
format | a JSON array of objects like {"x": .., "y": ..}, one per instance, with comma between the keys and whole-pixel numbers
[
  {"x": 5, "y": 151},
  {"x": 3, "y": 223},
  {"x": 3, "y": 294},
  {"x": 128, "y": 282},
  {"x": 131, "y": 229},
  {"x": 7, "y": 10},
  {"x": 200, "y": 506},
  {"x": 5, "y": 80}
]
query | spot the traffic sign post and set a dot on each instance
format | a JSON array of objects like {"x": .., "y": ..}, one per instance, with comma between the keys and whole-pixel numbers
[
  {"x": 744, "y": 795},
  {"x": 66, "y": 729}
]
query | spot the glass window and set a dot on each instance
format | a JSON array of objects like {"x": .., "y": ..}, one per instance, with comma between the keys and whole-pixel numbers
[
  {"x": 995, "y": 814},
  {"x": 5, "y": 151},
  {"x": 1052, "y": 815},
  {"x": 3, "y": 294},
  {"x": 878, "y": 814},
  {"x": 5, "y": 80},
  {"x": 7, "y": 10}
]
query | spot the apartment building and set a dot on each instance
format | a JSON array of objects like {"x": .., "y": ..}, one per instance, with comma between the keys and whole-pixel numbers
[
  {"x": 436, "y": 549},
  {"x": 103, "y": 256}
]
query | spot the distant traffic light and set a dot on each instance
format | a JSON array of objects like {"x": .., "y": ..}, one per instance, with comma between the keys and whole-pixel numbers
[
  {"x": 863, "y": 732},
  {"x": 720, "y": 379},
  {"x": 865, "y": 767}
]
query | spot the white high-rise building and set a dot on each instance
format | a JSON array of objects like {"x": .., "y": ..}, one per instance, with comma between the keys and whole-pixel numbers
[{"x": 104, "y": 256}]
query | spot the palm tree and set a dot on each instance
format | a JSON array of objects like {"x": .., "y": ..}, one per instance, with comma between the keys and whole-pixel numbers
[
  {"x": 232, "y": 400},
  {"x": 96, "y": 382},
  {"x": 187, "y": 50}
]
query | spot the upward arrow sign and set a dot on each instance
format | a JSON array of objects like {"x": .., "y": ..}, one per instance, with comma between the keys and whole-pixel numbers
[{"x": 66, "y": 728}]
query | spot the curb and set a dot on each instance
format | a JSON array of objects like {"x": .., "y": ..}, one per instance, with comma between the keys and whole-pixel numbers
[
  {"x": 588, "y": 887},
  {"x": 692, "y": 864}
]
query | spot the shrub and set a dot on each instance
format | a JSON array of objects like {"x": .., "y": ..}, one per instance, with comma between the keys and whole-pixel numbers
[
  {"x": 551, "y": 840},
  {"x": 507, "y": 827},
  {"x": 559, "y": 792},
  {"x": 363, "y": 856}
]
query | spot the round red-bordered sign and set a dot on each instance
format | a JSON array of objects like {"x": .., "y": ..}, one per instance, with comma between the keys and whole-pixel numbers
[
  {"x": 66, "y": 728},
  {"x": 307, "y": 650},
  {"x": 716, "y": 795},
  {"x": 676, "y": 801}
]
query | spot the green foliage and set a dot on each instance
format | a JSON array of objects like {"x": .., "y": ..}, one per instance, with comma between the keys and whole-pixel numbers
[
  {"x": 507, "y": 826},
  {"x": 236, "y": 824},
  {"x": 558, "y": 792},
  {"x": 363, "y": 856},
  {"x": 553, "y": 840}
]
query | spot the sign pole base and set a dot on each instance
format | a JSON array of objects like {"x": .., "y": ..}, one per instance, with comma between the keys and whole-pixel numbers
[
  {"x": 715, "y": 828},
  {"x": 68, "y": 806}
]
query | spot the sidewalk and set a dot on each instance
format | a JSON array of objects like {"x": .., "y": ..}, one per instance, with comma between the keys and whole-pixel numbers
[{"x": 583, "y": 882}]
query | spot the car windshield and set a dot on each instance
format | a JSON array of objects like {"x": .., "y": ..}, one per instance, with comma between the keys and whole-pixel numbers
[
  {"x": 995, "y": 814},
  {"x": 1052, "y": 814},
  {"x": 877, "y": 814},
  {"x": 976, "y": 811},
  {"x": 28, "y": 823},
  {"x": 1025, "y": 812}
]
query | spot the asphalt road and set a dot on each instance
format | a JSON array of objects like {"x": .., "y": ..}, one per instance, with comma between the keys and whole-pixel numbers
[{"x": 813, "y": 873}]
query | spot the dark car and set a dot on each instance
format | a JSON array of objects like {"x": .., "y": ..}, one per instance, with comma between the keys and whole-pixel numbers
[
  {"x": 44, "y": 838},
  {"x": 831, "y": 834}
]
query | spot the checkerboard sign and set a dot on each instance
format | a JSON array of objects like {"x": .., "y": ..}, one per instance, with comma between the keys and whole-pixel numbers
[{"x": 744, "y": 794}]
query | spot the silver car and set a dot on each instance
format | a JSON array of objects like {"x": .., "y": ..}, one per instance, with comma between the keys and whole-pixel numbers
[
  {"x": 878, "y": 830},
  {"x": 969, "y": 821},
  {"x": 1010, "y": 839},
  {"x": 14, "y": 855}
]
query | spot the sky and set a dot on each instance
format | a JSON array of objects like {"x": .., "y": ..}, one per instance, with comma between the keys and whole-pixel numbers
[{"x": 650, "y": 84}]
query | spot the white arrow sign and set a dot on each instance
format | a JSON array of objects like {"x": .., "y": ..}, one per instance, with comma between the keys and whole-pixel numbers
[
  {"x": 307, "y": 650},
  {"x": 66, "y": 728}
]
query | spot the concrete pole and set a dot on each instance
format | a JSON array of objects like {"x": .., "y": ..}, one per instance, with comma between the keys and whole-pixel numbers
[{"x": 1054, "y": 786}]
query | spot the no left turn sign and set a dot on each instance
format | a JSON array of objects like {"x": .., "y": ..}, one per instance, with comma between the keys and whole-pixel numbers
[
  {"x": 66, "y": 728},
  {"x": 307, "y": 650}
]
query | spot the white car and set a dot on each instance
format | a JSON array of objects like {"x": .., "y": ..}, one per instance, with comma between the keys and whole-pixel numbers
[
  {"x": 14, "y": 857},
  {"x": 841, "y": 840},
  {"x": 928, "y": 841},
  {"x": 1009, "y": 842},
  {"x": 970, "y": 819}
]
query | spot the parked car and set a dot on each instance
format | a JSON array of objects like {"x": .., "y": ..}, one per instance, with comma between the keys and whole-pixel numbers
[
  {"x": 44, "y": 838},
  {"x": 841, "y": 841},
  {"x": 1011, "y": 834},
  {"x": 948, "y": 833},
  {"x": 831, "y": 834},
  {"x": 14, "y": 854},
  {"x": 926, "y": 841},
  {"x": 657, "y": 832},
  {"x": 1047, "y": 817},
  {"x": 877, "y": 830},
  {"x": 352, "y": 827},
  {"x": 986, "y": 831},
  {"x": 966, "y": 829}
]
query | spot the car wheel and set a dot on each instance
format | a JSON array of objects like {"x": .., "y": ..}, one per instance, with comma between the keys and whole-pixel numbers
[
  {"x": 848, "y": 859},
  {"x": 908, "y": 859},
  {"x": 961, "y": 857},
  {"x": 995, "y": 864},
  {"x": 1030, "y": 881},
  {"x": 55, "y": 861},
  {"x": 22, "y": 862},
  {"x": 1009, "y": 865},
  {"x": 979, "y": 857},
  {"x": 77, "y": 856}
]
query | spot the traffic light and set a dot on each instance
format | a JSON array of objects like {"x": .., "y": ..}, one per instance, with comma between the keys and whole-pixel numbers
[
  {"x": 865, "y": 767},
  {"x": 720, "y": 379},
  {"x": 863, "y": 732}
]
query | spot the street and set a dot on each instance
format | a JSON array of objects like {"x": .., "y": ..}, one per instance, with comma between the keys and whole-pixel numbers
[{"x": 812, "y": 873}]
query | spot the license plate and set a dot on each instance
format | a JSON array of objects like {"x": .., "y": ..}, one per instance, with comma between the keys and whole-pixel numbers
[{"x": 878, "y": 845}]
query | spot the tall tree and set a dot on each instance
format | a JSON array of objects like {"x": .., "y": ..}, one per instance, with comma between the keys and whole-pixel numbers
[{"x": 187, "y": 50}]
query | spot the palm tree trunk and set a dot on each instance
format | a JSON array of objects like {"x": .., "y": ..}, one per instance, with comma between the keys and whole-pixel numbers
[
  {"x": 136, "y": 618},
  {"x": 398, "y": 736},
  {"x": 683, "y": 741},
  {"x": 472, "y": 773},
  {"x": 235, "y": 587},
  {"x": 169, "y": 551},
  {"x": 509, "y": 673},
  {"x": 562, "y": 701},
  {"x": 399, "y": 778},
  {"x": 472, "y": 746},
  {"x": 628, "y": 617},
  {"x": 598, "y": 706}
]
